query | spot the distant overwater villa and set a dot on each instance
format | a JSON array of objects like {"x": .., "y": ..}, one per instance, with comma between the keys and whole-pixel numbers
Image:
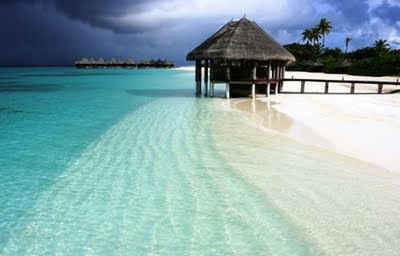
[{"x": 129, "y": 63}]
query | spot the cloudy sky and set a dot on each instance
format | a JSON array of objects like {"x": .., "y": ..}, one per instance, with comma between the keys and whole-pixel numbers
[{"x": 56, "y": 32}]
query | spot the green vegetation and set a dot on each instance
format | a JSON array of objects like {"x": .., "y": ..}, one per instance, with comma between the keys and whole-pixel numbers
[{"x": 377, "y": 60}]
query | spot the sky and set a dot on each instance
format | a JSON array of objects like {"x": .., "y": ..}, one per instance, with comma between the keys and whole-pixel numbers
[{"x": 58, "y": 32}]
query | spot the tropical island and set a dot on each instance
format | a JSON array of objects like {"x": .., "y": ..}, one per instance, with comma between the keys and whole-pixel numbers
[
  {"x": 129, "y": 63},
  {"x": 313, "y": 56}
]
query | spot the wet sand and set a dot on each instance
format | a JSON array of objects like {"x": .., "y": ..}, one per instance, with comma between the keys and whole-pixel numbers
[{"x": 365, "y": 127}]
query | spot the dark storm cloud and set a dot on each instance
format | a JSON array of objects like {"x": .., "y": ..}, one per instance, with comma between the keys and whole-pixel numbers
[
  {"x": 58, "y": 31},
  {"x": 103, "y": 13},
  {"x": 97, "y": 13}
]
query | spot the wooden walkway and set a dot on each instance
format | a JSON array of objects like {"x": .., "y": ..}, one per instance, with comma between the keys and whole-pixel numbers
[{"x": 352, "y": 83}]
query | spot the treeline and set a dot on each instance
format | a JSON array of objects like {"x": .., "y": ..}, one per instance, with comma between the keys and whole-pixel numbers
[
  {"x": 376, "y": 60},
  {"x": 115, "y": 63}
]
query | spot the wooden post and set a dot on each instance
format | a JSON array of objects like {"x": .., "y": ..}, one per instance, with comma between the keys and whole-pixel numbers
[
  {"x": 303, "y": 85},
  {"x": 227, "y": 91},
  {"x": 278, "y": 75},
  {"x": 380, "y": 88},
  {"x": 206, "y": 78},
  {"x": 277, "y": 71},
  {"x": 280, "y": 88},
  {"x": 269, "y": 72},
  {"x": 278, "y": 85},
  {"x": 228, "y": 72},
  {"x": 352, "y": 88},
  {"x": 268, "y": 90},
  {"x": 212, "y": 89},
  {"x": 254, "y": 74},
  {"x": 198, "y": 77},
  {"x": 254, "y": 77},
  {"x": 326, "y": 87},
  {"x": 211, "y": 62}
]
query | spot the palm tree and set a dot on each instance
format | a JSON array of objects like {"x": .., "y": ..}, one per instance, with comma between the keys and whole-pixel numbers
[
  {"x": 381, "y": 45},
  {"x": 315, "y": 35},
  {"x": 307, "y": 35},
  {"x": 324, "y": 27},
  {"x": 347, "y": 41}
]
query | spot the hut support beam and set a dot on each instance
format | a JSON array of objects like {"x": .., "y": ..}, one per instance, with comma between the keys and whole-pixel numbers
[
  {"x": 212, "y": 89},
  {"x": 278, "y": 71},
  {"x": 269, "y": 72},
  {"x": 228, "y": 91},
  {"x": 254, "y": 77},
  {"x": 303, "y": 85},
  {"x": 352, "y": 88},
  {"x": 206, "y": 78},
  {"x": 280, "y": 88},
  {"x": 326, "y": 87},
  {"x": 198, "y": 77},
  {"x": 267, "y": 90},
  {"x": 380, "y": 88}
]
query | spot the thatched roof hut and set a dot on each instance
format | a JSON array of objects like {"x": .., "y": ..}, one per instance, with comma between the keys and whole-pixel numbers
[
  {"x": 168, "y": 64},
  {"x": 101, "y": 61},
  {"x": 241, "y": 40},
  {"x": 83, "y": 61},
  {"x": 130, "y": 62},
  {"x": 345, "y": 64},
  {"x": 241, "y": 53},
  {"x": 113, "y": 61}
]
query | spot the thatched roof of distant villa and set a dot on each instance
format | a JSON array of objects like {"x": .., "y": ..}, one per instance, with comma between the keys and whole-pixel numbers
[
  {"x": 345, "y": 64},
  {"x": 101, "y": 61},
  {"x": 130, "y": 62},
  {"x": 241, "y": 40},
  {"x": 314, "y": 63},
  {"x": 144, "y": 62},
  {"x": 83, "y": 61}
]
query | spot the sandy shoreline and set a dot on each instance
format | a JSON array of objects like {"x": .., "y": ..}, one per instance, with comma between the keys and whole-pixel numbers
[{"x": 365, "y": 127}]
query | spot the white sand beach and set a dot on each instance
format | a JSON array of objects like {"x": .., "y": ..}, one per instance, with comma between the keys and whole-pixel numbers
[{"x": 364, "y": 126}]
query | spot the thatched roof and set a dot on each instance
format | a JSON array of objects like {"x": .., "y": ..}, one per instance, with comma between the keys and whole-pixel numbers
[
  {"x": 113, "y": 61},
  {"x": 83, "y": 61},
  {"x": 101, "y": 61},
  {"x": 241, "y": 40},
  {"x": 130, "y": 62},
  {"x": 314, "y": 63},
  {"x": 144, "y": 62},
  {"x": 345, "y": 64}
]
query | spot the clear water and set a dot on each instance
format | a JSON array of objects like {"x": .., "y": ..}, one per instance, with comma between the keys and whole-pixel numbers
[{"x": 128, "y": 162}]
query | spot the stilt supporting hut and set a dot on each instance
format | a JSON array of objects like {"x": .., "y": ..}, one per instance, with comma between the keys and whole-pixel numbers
[{"x": 242, "y": 56}]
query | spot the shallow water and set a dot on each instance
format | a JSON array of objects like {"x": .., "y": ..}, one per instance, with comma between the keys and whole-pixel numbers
[{"x": 105, "y": 162}]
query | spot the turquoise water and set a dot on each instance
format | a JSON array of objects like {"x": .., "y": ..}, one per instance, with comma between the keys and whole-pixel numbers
[{"x": 128, "y": 162}]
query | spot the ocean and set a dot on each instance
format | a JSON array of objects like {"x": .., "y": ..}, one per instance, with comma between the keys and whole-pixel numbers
[{"x": 129, "y": 162}]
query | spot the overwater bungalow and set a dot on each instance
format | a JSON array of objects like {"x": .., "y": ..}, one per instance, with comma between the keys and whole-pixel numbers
[
  {"x": 130, "y": 63},
  {"x": 244, "y": 57}
]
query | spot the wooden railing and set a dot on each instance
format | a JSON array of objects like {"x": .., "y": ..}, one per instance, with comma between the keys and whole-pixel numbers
[{"x": 352, "y": 83}]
